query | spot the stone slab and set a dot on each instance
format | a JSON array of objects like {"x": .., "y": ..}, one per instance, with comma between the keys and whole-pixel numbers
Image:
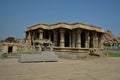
[
  {"x": 38, "y": 57},
  {"x": 72, "y": 56},
  {"x": 67, "y": 56},
  {"x": 81, "y": 56}
]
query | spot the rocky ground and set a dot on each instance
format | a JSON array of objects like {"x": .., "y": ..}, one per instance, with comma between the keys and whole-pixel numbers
[{"x": 91, "y": 69}]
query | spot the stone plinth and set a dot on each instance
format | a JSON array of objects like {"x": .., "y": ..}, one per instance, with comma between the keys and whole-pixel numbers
[
  {"x": 71, "y": 56},
  {"x": 38, "y": 57}
]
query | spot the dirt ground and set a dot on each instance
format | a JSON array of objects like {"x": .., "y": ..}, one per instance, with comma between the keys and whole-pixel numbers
[{"x": 95, "y": 69}]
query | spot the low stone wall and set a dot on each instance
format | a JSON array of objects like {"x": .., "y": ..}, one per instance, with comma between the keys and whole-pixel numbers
[
  {"x": 71, "y": 50},
  {"x": 71, "y": 56}
]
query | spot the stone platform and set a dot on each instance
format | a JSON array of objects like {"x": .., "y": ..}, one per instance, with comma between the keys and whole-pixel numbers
[{"x": 72, "y": 56}]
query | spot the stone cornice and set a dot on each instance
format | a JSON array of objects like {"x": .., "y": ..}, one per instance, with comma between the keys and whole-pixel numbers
[{"x": 65, "y": 25}]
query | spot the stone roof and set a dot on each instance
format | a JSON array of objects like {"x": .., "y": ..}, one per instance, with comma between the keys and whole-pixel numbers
[
  {"x": 65, "y": 25},
  {"x": 10, "y": 40}
]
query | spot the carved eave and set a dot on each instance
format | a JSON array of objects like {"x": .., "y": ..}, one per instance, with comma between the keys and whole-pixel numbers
[
  {"x": 61, "y": 25},
  {"x": 67, "y": 26},
  {"x": 10, "y": 44},
  {"x": 40, "y": 26}
]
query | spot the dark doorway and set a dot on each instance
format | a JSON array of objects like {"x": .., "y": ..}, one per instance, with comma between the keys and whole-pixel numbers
[
  {"x": 58, "y": 39},
  {"x": 66, "y": 38},
  {"x": 46, "y": 34},
  {"x": 10, "y": 48}
]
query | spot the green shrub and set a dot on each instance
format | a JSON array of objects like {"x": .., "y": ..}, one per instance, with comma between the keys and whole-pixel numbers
[
  {"x": 113, "y": 54},
  {"x": 106, "y": 44},
  {"x": 4, "y": 56},
  {"x": 25, "y": 53}
]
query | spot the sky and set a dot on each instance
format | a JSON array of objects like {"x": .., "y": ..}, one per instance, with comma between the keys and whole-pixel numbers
[{"x": 17, "y": 15}]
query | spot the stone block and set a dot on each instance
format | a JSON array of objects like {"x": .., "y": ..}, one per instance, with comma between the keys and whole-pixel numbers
[
  {"x": 81, "y": 56},
  {"x": 38, "y": 57},
  {"x": 67, "y": 56},
  {"x": 72, "y": 56}
]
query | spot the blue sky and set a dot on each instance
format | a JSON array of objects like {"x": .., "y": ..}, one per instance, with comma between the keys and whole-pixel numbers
[{"x": 17, "y": 15}]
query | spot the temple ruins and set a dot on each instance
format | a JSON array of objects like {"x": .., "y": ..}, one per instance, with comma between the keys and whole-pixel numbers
[
  {"x": 66, "y": 38},
  {"x": 9, "y": 45}
]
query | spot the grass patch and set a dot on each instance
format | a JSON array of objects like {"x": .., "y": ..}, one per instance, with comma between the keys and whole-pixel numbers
[
  {"x": 113, "y": 54},
  {"x": 25, "y": 53},
  {"x": 4, "y": 56}
]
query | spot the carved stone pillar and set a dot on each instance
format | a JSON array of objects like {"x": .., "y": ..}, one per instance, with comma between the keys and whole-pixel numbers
[
  {"x": 55, "y": 37},
  {"x": 28, "y": 41},
  {"x": 70, "y": 39},
  {"x": 87, "y": 39},
  {"x": 78, "y": 42},
  {"x": 62, "y": 42},
  {"x": 40, "y": 34},
  {"x": 33, "y": 35},
  {"x": 73, "y": 38},
  {"x": 100, "y": 41},
  {"x": 96, "y": 40},
  {"x": 49, "y": 35},
  {"x": 28, "y": 37},
  {"x": 91, "y": 41}
]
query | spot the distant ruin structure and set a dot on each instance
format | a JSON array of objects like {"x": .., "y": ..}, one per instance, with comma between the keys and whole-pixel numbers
[
  {"x": 66, "y": 38},
  {"x": 9, "y": 46}
]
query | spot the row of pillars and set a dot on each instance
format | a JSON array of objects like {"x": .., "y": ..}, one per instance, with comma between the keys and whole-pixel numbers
[
  {"x": 71, "y": 42},
  {"x": 74, "y": 38},
  {"x": 31, "y": 35}
]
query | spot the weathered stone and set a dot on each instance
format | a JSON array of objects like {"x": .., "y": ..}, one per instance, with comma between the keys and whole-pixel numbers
[
  {"x": 72, "y": 56},
  {"x": 67, "y": 56},
  {"x": 67, "y": 38},
  {"x": 42, "y": 56},
  {"x": 9, "y": 45},
  {"x": 81, "y": 56}
]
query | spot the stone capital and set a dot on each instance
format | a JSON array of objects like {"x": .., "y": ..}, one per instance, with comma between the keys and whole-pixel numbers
[
  {"x": 40, "y": 30},
  {"x": 62, "y": 30},
  {"x": 78, "y": 31}
]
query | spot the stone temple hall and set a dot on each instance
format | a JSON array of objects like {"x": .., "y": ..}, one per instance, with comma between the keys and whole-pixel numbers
[{"x": 66, "y": 38}]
